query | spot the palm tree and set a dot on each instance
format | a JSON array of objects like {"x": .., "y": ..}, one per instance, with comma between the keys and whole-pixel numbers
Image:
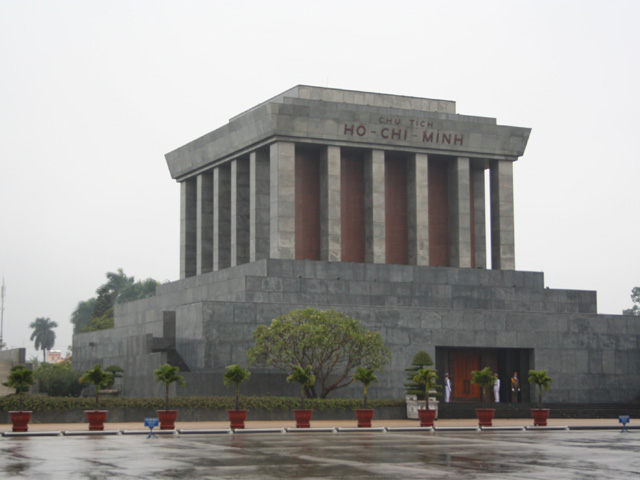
[
  {"x": 366, "y": 377},
  {"x": 542, "y": 380},
  {"x": 43, "y": 335},
  {"x": 168, "y": 374},
  {"x": 304, "y": 377}
]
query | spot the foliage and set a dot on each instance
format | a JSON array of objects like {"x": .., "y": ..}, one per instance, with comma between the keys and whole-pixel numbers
[
  {"x": 235, "y": 375},
  {"x": 168, "y": 374},
  {"x": 635, "y": 297},
  {"x": 304, "y": 377},
  {"x": 43, "y": 335},
  {"x": 99, "y": 378},
  {"x": 331, "y": 343},
  {"x": 426, "y": 378},
  {"x": 97, "y": 313},
  {"x": 20, "y": 378},
  {"x": 366, "y": 377},
  {"x": 58, "y": 379},
  {"x": 41, "y": 403},
  {"x": 99, "y": 323},
  {"x": 420, "y": 360},
  {"x": 484, "y": 378},
  {"x": 542, "y": 380}
]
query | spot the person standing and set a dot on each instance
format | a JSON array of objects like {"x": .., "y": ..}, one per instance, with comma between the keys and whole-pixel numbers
[
  {"x": 496, "y": 388},
  {"x": 447, "y": 388},
  {"x": 515, "y": 387}
]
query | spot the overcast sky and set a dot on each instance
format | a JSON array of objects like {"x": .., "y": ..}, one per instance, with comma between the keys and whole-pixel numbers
[{"x": 94, "y": 93}]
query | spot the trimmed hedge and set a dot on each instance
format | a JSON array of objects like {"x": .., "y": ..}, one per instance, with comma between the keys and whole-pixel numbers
[{"x": 41, "y": 403}]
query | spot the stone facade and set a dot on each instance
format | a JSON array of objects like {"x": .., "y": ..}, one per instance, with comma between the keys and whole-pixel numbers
[{"x": 373, "y": 205}]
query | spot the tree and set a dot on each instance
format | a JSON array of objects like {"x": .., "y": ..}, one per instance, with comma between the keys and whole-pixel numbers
[
  {"x": 542, "y": 380},
  {"x": 484, "y": 378},
  {"x": 304, "y": 377},
  {"x": 58, "y": 379},
  {"x": 426, "y": 378},
  {"x": 168, "y": 374},
  {"x": 366, "y": 377},
  {"x": 82, "y": 314},
  {"x": 97, "y": 313},
  {"x": 97, "y": 377},
  {"x": 43, "y": 335},
  {"x": 235, "y": 375},
  {"x": 21, "y": 379},
  {"x": 331, "y": 343},
  {"x": 635, "y": 297},
  {"x": 420, "y": 361}
]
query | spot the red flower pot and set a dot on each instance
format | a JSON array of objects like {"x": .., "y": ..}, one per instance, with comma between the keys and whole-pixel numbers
[
  {"x": 237, "y": 418},
  {"x": 485, "y": 416},
  {"x": 364, "y": 417},
  {"x": 20, "y": 420},
  {"x": 540, "y": 416},
  {"x": 96, "y": 419},
  {"x": 426, "y": 416},
  {"x": 303, "y": 417},
  {"x": 167, "y": 419}
]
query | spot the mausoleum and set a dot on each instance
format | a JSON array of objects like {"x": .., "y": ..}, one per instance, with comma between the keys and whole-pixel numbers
[{"x": 395, "y": 210}]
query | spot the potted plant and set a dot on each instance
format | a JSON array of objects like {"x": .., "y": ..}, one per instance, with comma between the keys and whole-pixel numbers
[
  {"x": 98, "y": 378},
  {"x": 426, "y": 378},
  {"x": 543, "y": 381},
  {"x": 306, "y": 380},
  {"x": 485, "y": 379},
  {"x": 364, "y": 415},
  {"x": 235, "y": 375},
  {"x": 168, "y": 375},
  {"x": 20, "y": 378},
  {"x": 414, "y": 393}
]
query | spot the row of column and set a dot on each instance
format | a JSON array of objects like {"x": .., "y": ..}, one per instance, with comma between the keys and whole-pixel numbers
[{"x": 245, "y": 210}]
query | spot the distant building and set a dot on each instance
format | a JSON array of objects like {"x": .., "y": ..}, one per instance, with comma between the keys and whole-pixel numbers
[
  {"x": 54, "y": 356},
  {"x": 373, "y": 205}
]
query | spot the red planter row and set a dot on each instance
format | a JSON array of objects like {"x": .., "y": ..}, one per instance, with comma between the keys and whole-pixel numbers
[{"x": 96, "y": 418}]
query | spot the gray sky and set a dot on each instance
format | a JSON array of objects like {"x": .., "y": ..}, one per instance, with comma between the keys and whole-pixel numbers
[{"x": 94, "y": 93}]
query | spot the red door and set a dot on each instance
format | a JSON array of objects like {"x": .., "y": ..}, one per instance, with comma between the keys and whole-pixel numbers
[{"x": 463, "y": 364}]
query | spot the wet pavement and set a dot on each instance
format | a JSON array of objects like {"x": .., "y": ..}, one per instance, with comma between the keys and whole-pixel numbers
[{"x": 525, "y": 454}]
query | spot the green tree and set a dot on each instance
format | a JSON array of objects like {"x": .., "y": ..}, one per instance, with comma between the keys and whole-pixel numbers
[
  {"x": 82, "y": 314},
  {"x": 304, "y": 377},
  {"x": 331, "y": 343},
  {"x": 168, "y": 374},
  {"x": 542, "y": 380},
  {"x": 420, "y": 361},
  {"x": 21, "y": 379},
  {"x": 635, "y": 297},
  {"x": 98, "y": 378},
  {"x": 43, "y": 335},
  {"x": 426, "y": 378},
  {"x": 366, "y": 377},
  {"x": 58, "y": 379},
  {"x": 97, "y": 313},
  {"x": 235, "y": 375},
  {"x": 484, "y": 378}
]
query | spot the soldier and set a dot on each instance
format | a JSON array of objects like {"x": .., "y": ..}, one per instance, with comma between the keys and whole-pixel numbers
[
  {"x": 515, "y": 387},
  {"x": 496, "y": 388}
]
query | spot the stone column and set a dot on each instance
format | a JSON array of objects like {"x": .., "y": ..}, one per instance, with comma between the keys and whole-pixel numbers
[
  {"x": 460, "y": 212},
  {"x": 259, "y": 205},
  {"x": 503, "y": 255},
  {"x": 188, "y": 227},
  {"x": 374, "y": 225},
  {"x": 282, "y": 200},
  {"x": 222, "y": 217},
  {"x": 239, "y": 211},
  {"x": 330, "y": 231},
  {"x": 204, "y": 221},
  {"x": 479, "y": 218},
  {"x": 418, "y": 208}
]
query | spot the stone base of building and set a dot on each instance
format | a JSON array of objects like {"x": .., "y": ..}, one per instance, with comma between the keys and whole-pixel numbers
[{"x": 464, "y": 318}]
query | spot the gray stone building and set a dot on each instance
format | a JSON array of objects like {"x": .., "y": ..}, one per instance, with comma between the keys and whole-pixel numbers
[{"x": 373, "y": 205}]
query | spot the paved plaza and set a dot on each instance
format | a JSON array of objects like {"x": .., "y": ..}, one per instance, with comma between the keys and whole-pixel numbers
[{"x": 523, "y": 454}]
